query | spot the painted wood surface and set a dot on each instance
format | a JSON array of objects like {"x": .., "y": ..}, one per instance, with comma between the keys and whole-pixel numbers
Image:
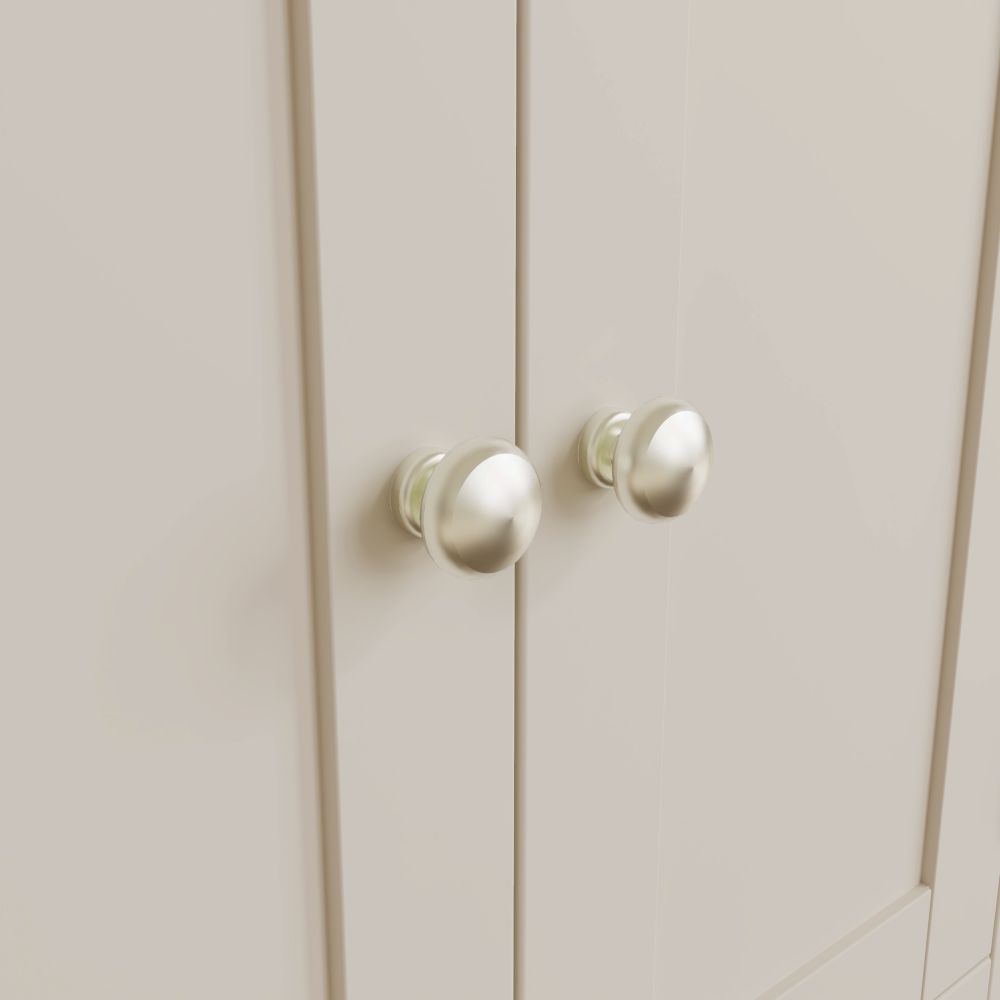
[
  {"x": 962, "y": 856},
  {"x": 600, "y": 137},
  {"x": 973, "y": 986},
  {"x": 157, "y": 743},
  {"x": 743, "y": 702},
  {"x": 880, "y": 960},
  {"x": 407, "y": 172}
]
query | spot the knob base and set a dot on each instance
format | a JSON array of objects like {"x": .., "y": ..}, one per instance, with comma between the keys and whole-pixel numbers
[
  {"x": 598, "y": 441},
  {"x": 406, "y": 494}
]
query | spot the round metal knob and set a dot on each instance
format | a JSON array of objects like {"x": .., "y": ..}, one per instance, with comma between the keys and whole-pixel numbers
[
  {"x": 476, "y": 507},
  {"x": 657, "y": 458}
]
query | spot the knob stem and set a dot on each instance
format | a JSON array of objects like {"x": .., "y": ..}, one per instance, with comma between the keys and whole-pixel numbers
[
  {"x": 598, "y": 442},
  {"x": 408, "y": 487}
]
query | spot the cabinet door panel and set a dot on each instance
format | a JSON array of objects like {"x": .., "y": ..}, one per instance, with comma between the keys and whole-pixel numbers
[
  {"x": 159, "y": 822},
  {"x": 727, "y": 723},
  {"x": 411, "y": 339}
]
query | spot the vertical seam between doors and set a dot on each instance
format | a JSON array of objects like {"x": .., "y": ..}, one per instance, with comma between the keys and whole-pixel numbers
[
  {"x": 521, "y": 438},
  {"x": 678, "y": 393}
]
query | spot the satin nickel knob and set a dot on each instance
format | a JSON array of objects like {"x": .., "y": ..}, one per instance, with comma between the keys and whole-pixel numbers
[
  {"x": 657, "y": 458},
  {"x": 476, "y": 507}
]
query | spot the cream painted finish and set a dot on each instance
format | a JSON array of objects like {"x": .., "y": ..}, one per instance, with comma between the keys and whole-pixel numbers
[
  {"x": 726, "y": 726},
  {"x": 410, "y": 302},
  {"x": 881, "y": 960},
  {"x": 974, "y": 986},
  {"x": 994, "y": 993},
  {"x": 157, "y": 757},
  {"x": 601, "y": 132},
  {"x": 963, "y": 843}
]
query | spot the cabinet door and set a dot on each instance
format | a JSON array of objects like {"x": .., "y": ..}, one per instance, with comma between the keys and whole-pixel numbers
[{"x": 726, "y": 725}]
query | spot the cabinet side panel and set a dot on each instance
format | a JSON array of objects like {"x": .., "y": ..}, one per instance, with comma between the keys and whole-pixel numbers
[
  {"x": 994, "y": 976},
  {"x": 962, "y": 860}
]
